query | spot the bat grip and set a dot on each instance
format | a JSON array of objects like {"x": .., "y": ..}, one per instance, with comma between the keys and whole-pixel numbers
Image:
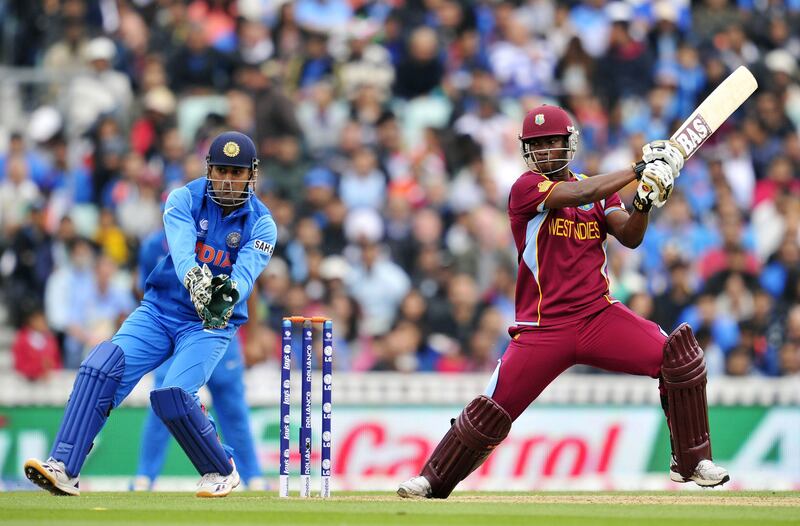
[{"x": 638, "y": 168}]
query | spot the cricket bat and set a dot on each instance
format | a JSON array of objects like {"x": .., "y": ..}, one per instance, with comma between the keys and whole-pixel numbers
[{"x": 712, "y": 112}]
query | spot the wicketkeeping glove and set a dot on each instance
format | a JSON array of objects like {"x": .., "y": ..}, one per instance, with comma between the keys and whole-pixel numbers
[
  {"x": 198, "y": 282},
  {"x": 224, "y": 296},
  {"x": 668, "y": 151}
]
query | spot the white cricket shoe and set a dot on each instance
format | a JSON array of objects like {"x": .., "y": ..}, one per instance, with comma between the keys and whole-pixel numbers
[
  {"x": 216, "y": 485},
  {"x": 51, "y": 476},
  {"x": 706, "y": 474},
  {"x": 415, "y": 488}
]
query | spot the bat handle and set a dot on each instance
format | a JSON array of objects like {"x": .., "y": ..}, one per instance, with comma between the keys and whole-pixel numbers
[{"x": 638, "y": 168}]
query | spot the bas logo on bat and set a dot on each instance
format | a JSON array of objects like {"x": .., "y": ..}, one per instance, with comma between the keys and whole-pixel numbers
[{"x": 692, "y": 135}]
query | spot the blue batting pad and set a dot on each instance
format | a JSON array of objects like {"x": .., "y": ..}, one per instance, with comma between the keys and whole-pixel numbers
[
  {"x": 89, "y": 405},
  {"x": 192, "y": 429}
]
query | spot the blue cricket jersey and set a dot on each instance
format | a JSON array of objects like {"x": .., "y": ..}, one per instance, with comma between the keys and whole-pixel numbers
[{"x": 239, "y": 244}]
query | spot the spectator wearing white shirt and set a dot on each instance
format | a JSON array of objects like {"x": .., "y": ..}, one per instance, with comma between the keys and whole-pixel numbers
[
  {"x": 17, "y": 193},
  {"x": 100, "y": 90}
]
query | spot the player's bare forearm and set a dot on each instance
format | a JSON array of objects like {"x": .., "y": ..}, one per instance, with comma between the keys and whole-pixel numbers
[
  {"x": 628, "y": 229},
  {"x": 589, "y": 190}
]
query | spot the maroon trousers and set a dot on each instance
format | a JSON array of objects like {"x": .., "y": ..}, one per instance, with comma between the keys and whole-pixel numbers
[{"x": 614, "y": 339}]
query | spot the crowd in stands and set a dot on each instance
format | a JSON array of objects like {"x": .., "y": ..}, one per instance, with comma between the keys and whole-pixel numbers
[{"x": 387, "y": 137}]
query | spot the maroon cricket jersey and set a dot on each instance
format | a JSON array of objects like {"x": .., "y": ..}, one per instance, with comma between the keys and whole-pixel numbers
[{"x": 561, "y": 254}]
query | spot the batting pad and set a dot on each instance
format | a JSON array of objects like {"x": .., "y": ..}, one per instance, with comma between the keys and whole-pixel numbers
[
  {"x": 192, "y": 429},
  {"x": 89, "y": 405}
]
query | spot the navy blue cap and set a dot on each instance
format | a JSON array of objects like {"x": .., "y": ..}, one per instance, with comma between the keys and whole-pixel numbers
[{"x": 232, "y": 149}]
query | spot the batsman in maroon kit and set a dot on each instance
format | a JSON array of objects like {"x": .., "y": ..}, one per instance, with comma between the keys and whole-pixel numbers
[{"x": 565, "y": 314}]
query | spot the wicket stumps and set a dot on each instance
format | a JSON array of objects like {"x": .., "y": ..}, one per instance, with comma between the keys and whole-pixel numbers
[{"x": 307, "y": 356}]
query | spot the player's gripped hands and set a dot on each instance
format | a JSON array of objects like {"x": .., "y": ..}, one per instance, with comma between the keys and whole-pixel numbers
[
  {"x": 654, "y": 187},
  {"x": 667, "y": 151},
  {"x": 198, "y": 282},
  {"x": 224, "y": 295}
]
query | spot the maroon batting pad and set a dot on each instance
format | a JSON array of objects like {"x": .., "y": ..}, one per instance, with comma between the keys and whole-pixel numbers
[
  {"x": 684, "y": 373},
  {"x": 480, "y": 427}
]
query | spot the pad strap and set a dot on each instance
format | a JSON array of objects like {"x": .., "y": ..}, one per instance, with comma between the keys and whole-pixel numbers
[
  {"x": 192, "y": 429},
  {"x": 480, "y": 427},
  {"x": 89, "y": 405},
  {"x": 684, "y": 373}
]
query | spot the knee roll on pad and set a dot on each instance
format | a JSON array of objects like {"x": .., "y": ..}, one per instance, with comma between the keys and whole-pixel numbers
[
  {"x": 89, "y": 405},
  {"x": 480, "y": 427},
  {"x": 192, "y": 429},
  {"x": 684, "y": 372}
]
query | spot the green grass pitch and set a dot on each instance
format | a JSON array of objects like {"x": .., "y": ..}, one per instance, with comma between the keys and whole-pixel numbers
[{"x": 385, "y": 509}]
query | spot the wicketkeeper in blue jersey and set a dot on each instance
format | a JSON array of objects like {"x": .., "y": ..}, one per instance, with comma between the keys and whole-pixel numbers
[
  {"x": 226, "y": 386},
  {"x": 220, "y": 238}
]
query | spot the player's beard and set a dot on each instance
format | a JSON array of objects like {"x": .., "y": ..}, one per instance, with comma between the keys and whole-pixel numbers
[
  {"x": 550, "y": 161},
  {"x": 228, "y": 196}
]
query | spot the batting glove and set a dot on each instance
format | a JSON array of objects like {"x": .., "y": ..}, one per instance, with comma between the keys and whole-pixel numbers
[
  {"x": 668, "y": 151},
  {"x": 659, "y": 175}
]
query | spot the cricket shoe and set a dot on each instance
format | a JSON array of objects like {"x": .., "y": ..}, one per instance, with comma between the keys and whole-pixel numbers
[
  {"x": 706, "y": 474},
  {"x": 415, "y": 488},
  {"x": 217, "y": 485},
  {"x": 52, "y": 476}
]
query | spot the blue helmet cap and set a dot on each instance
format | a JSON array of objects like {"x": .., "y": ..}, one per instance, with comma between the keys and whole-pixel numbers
[{"x": 232, "y": 149}]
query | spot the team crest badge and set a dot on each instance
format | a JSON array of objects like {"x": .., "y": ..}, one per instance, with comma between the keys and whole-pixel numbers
[
  {"x": 232, "y": 240},
  {"x": 231, "y": 149},
  {"x": 586, "y": 207},
  {"x": 544, "y": 185},
  {"x": 204, "y": 224},
  {"x": 539, "y": 119}
]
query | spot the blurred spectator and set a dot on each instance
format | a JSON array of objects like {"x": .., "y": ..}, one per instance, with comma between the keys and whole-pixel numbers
[
  {"x": 739, "y": 362},
  {"x": 322, "y": 118},
  {"x": 147, "y": 133},
  {"x": 366, "y": 63},
  {"x": 626, "y": 67},
  {"x": 789, "y": 360},
  {"x": 312, "y": 65},
  {"x": 362, "y": 183},
  {"x": 457, "y": 317},
  {"x": 32, "y": 250},
  {"x": 76, "y": 274},
  {"x": 421, "y": 71},
  {"x": 378, "y": 285},
  {"x": 196, "y": 67},
  {"x": 712, "y": 16},
  {"x": 322, "y": 15},
  {"x": 285, "y": 170},
  {"x": 35, "y": 348},
  {"x": 97, "y": 310},
  {"x": 67, "y": 54},
  {"x": 101, "y": 90},
  {"x": 522, "y": 65},
  {"x": 677, "y": 296},
  {"x": 17, "y": 195}
]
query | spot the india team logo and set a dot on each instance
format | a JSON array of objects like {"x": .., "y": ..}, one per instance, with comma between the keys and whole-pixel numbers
[
  {"x": 233, "y": 239},
  {"x": 231, "y": 149},
  {"x": 204, "y": 224},
  {"x": 539, "y": 119}
]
